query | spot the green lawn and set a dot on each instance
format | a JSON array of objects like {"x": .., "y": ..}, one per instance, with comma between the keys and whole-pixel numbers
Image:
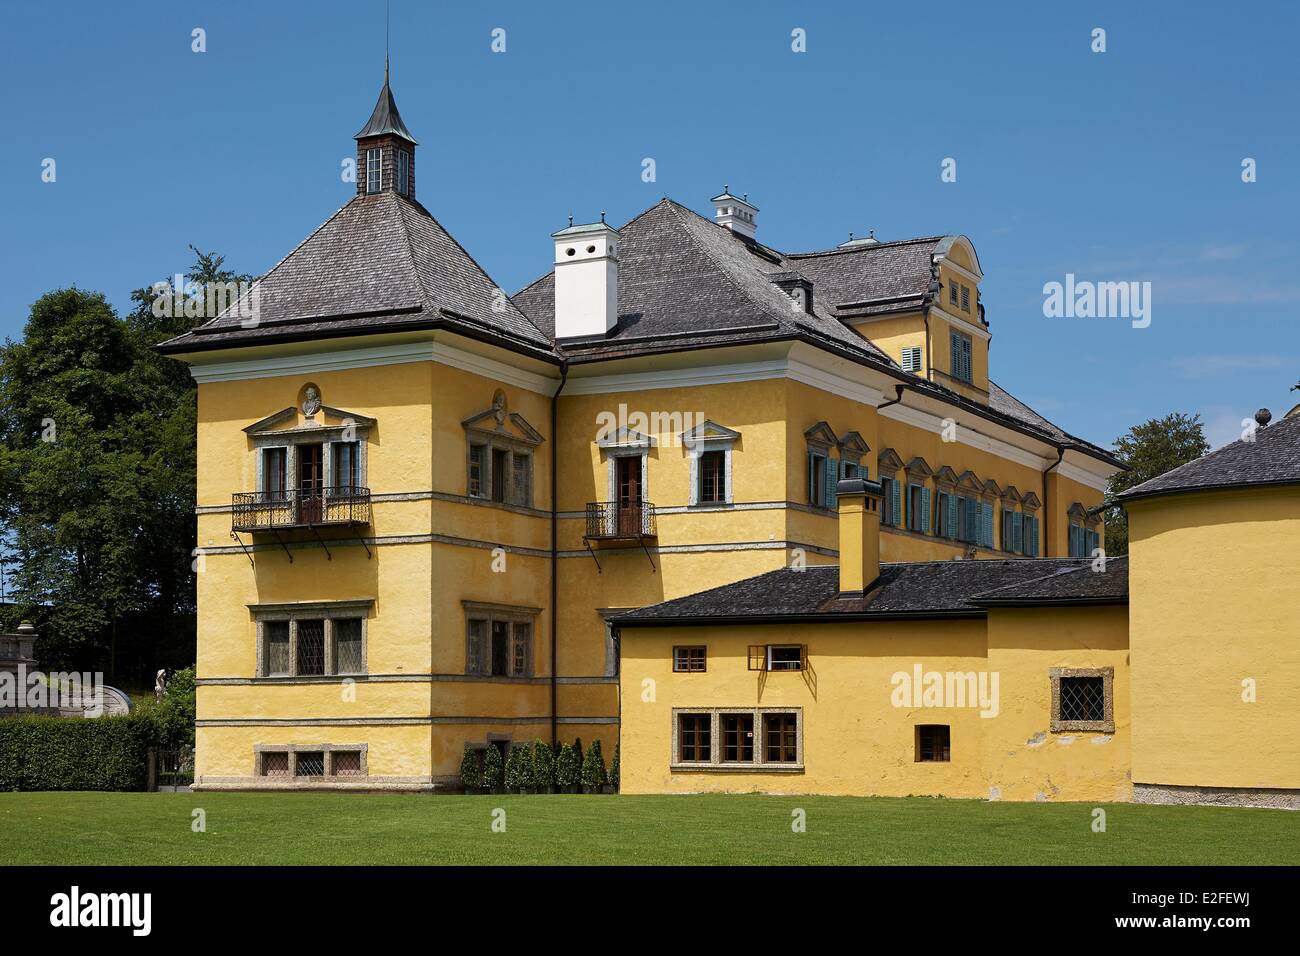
[{"x": 323, "y": 828}]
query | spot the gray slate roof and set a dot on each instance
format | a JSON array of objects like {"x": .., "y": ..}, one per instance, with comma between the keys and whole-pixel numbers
[
  {"x": 685, "y": 281},
  {"x": 381, "y": 263},
  {"x": 911, "y": 589},
  {"x": 1065, "y": 585},
  {"x": 1273, "y": 458}
]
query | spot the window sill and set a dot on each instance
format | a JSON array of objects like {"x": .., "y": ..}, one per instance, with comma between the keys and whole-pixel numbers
[
  {"x": 1083, "y": 726},
  {"x": 736, "y": 767},
  {"x": 306, "y": 678}
]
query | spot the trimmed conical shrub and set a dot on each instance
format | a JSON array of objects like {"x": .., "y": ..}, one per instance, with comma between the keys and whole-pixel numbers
[
  {"x": 593, "y": 769},
  {"x": 471, "y": 771},
  {"x": 613, "y": 769},
  {"x": 519, "y": 769},
  {"x": 492, "y": 769},
  {"x": 567, "y": 769},
  {"x": 543, "y": 767}
]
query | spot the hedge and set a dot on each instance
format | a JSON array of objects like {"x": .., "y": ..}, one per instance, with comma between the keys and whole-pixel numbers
[{"x": 76, "y": 753}]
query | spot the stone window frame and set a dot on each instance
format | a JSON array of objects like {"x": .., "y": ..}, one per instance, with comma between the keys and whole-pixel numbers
[
  {"x": 706, "y": 437},
  {"x": 355, "y": 428},
  {"x": 513, "y": 614},
  {"x": 715, "y": 763},
  {"x": 888, "y": 465},
  {"x": 261, "y": 750},
  {"x": 328, "y": 611},
  {"x": 487, "y": 430},
  {"x": 1107, "y": 724}
]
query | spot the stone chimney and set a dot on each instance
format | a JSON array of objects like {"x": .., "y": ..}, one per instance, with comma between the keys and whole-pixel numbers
[
  {"x": 859, "y": 506},
  {"x": 586, "y": 280},
  {"x": 735, "y": 213}
]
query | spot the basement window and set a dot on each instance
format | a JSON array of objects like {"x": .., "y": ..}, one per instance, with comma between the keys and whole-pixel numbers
[{"x": 933, "y": 743}]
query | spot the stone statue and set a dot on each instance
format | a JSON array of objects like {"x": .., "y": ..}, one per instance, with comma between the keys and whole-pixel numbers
[
  {"x": 311, "y": 401},
  {"x": 160, "y": 684}
]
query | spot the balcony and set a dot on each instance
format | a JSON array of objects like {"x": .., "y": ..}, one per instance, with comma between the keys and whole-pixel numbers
[
  {"x": 293, "y": 508},
  {"x": 619, "y": 522},
  {"x": 612, "y": 521}
]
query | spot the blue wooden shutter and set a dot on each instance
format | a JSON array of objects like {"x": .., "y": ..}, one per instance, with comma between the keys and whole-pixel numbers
[
  {"x": 1031, "y": 536},
  {"x": 1017, "y": 533},
  {"x": 987, "y": 511},
  {"x": 832, "y": 479},
  {"x": 925, "y": 510},
  {"x": 951, "y": 530},
  {"x": 896, "y": 503},
  {"x": 812, "y": 479}
]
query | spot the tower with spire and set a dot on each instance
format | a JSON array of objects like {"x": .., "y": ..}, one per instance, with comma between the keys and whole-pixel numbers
[{"x": 386, "y": 149}]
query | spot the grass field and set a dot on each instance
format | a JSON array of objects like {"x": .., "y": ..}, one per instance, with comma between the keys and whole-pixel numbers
[{"x": 322, "y": 828}]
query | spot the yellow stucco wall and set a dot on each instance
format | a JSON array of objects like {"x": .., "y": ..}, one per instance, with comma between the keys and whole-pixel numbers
[
  {"x": 1213, "y": 578},
  {"x": 856, "y": 741},
  {"x": 432, "y": 549}
]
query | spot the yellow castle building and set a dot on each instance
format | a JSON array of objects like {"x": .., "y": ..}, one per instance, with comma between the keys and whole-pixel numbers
[{"x": 422, "y": 504}]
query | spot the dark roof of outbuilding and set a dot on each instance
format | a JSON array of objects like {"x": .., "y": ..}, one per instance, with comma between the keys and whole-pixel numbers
[
  {"x": 1271, "y": 458},
  {"x": 1079, "y": 583},
  {"x": 912, "y": 589},
  {"x": 381, "y": 263}
]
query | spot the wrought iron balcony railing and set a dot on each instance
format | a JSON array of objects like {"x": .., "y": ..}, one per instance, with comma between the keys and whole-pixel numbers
[
  {"x": 612, "y": 520},
  {"x": 295, "y": 508}
]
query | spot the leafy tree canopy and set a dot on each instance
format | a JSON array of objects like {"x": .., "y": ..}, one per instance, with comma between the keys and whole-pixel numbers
[{"x": 1150, "y": 449}]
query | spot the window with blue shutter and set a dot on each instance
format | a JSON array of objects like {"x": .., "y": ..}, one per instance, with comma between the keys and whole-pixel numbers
[
  {"x": 925, "y": 510},
  {"x": 951, "y": 530},
  {"x": 1031, "y": 536},
  {"x": 1076, "y": 541},
  {"x": 1017, "y": 533},
  {"x": 832, "y": 479},
  {"x": 1091, "y": 542},
  {"x": 895, "y": 503},
  {"x": 816, "y": 478},
  {"x": 961, "y": 356},
  {"x": 986, "y": 509}
]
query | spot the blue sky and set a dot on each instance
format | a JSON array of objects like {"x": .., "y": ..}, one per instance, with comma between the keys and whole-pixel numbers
[{"x": 1119, "y": 166}]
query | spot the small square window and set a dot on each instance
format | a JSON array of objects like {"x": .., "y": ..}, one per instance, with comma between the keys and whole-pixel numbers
[
  {"x": 933, "y": 743},
  {"x": 965, "y": 299},
  {"x": 952, "y": 292},
  {"x": 347, "y": 763},
  {"x": 311, "y": 763},
  {"x": 275, "y": 764},
  {"x": 689, "y": 660},
  {"x": 787, "y": 657},
  {"x": 912, "y": 358}
]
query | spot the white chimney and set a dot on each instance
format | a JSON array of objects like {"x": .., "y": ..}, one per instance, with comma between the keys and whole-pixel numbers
[
  {"x": 586, "y": 279},
  {"x": 735, "y": 213}
]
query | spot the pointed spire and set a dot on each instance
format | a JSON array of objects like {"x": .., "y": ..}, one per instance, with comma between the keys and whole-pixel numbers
[{"x": 385, "y": 120}]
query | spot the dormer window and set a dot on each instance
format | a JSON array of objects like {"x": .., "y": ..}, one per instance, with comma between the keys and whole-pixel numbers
[
  {"x": 403, "y": 171},
  {"x": 373, "y": 169}
]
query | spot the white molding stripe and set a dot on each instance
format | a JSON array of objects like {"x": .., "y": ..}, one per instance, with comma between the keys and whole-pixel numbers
[
  {"x": 677, "y": 378},
  {"x": 971, "y": 325},
  {"x": 310, "y": 363},
  {"x": 389, "y": 721},
  {"x": 1084, "y": 477},
  {"x": 967, "y": 436}
]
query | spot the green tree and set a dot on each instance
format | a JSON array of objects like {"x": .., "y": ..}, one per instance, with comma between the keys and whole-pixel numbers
[
  {"x": 568, "y": 768},
  {"x": 1150, "y": 449}
]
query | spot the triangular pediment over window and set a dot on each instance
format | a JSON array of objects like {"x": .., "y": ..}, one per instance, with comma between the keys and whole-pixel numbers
[
  {"x": 1030, "y": 500},
  {"x": 292, "y": 421},
  {"x": 624, "y": 437},
  {"x": 1009, "y": 493},
  {"x": 708, "y": 432},
  {"x": 821, "y": 436},
  {"x": 969, "y": 482},
  {"x": 496, "y": 421},
  {"x": 853, "y": 446},
  {"x": 918, "y": 467},
  {"x": 889, "y": 461}
]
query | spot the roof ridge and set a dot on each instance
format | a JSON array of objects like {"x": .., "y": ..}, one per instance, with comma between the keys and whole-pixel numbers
[
  {"x": 867, "y": 247},
  {"x": 270, "y": 272},
  {"x": 781, "y": 320},
  {"x": 419, "y": 207}
]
